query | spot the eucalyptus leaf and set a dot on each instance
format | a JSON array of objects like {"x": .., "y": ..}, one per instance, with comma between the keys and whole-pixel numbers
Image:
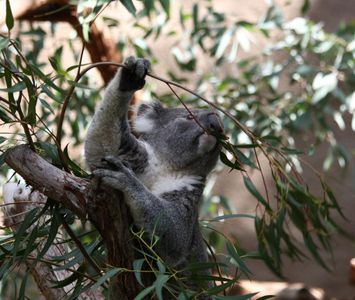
[
  {"x": 9, "y": 20},
  {"x": 109, "y": 274},
  {"x": 128, "y": 4}
]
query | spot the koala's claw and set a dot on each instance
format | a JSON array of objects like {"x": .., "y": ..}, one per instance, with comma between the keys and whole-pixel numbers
[
  {"x": 115, "y": 174},
  {"x": 109, "y": 178},
  {"x": 132, "y": 76},
  {"x": 115, "y": 163}
]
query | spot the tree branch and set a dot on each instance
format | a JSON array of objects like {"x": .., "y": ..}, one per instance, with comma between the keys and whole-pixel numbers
[{"x": 73, "y": 192}]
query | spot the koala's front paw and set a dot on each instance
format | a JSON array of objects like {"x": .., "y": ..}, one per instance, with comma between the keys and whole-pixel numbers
[
  {"x": 132, "y": 76},
  {"x": 115, "y": 174}
]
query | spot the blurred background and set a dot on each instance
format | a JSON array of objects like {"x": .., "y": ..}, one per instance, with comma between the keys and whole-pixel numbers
[{"x": 274, "y": 51}]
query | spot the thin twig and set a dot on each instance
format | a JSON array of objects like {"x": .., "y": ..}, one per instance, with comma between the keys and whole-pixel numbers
[
  {"x": 262, "y": 176},
  {"x": 25, "y": 125},
  {"x": 21, "y": 202},
  {"x": 70, "y": 93},
  {"x": 216, "y": 262},
  {"x": 185, "y": 106}
]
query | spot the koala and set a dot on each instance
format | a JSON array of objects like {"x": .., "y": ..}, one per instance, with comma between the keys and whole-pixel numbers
[{"x": 160, "y": 164}]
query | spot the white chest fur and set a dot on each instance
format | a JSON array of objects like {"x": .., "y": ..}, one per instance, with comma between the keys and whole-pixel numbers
[{"x": 159, "y": 179}]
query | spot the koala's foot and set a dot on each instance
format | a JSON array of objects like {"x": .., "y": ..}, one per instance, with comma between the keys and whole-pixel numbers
[
  {"x": 132, "y": 76},
  {"x": 115, "y": 174}
]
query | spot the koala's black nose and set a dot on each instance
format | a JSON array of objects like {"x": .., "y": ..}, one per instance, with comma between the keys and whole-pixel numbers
[{"x": 214, "y": 123}]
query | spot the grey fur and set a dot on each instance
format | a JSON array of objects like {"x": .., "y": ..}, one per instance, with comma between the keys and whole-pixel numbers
[{"x": 162, "y": 173}]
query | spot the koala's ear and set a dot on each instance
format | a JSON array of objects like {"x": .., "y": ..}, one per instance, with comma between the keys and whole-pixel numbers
[
  {"x": 154, "y": 107},
  {"x": 146, "y": 114}
]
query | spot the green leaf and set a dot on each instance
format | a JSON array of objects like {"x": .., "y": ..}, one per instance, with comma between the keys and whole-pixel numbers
[
  {"x": 220, "y": 288},
  {"x": 239, "y": 262},
  {"x": 312, "y": 247},
  {"x": 47, "y": 106},
  {"x": 71, "y": 263},
  {"x": 69, "y": 255},
  {"x": 234, "y": 165},
  {"x": 128, "y": 4},
  {"x": 51, "y": 236},
  {"x": 20, "y": 86},
  {"x": 159, "y": 284},
  {"x": 73, "y": 166},
  {"x": 305, "y": 7},
  {"x": 195, "y": 16},
  {"x": 31, "y": 243},
  {"x": 2, "y": 159},
  {"x": 105, "y": 277},
  {"x": 292, "y": 151},
  {"x": 29, "y": 219},
  {"x": 4, "y": 42},
  {"x": 224, "y": 41},
  {"x": 232, "y": 216},
  {"x": 144, "y": 293},
  {"x": 161, "y": 267},
  {"x": 323, "y": 84},
  {"x": 166, "y": 6},
  {"x": 76, "y": 276},
  {"x": 4, "y": 268},
  {"x": 22, "y": 291},
  {"x": 9, "y": 17},
  {"x": 79, "y": 289},
  {"x": 244, "y": 159},
  {"x": 266, "y": 297},
  {"x": 50, "y": 152},
  {"x": 137, "y": 267},
  {"x": 252, "y": 189},
  {"x": 4, "y": 117}
]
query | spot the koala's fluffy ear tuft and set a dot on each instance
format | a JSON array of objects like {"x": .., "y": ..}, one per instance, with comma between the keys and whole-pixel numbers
[
  {"x": 146, "y": 113},
  {"x": 154, "y": 107}
]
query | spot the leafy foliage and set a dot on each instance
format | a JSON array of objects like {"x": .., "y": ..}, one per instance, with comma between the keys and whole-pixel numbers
[{"x": 261, "y": 119}]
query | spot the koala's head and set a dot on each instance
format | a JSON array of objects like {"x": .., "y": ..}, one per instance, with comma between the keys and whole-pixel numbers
[{"x": 178, "y": 139}]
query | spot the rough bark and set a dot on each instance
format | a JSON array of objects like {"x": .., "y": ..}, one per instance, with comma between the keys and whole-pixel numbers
[
  {"x": 73, "y": 192},
  {"x": 85, "y": 198},
  {"x": 110, "y": 215}
]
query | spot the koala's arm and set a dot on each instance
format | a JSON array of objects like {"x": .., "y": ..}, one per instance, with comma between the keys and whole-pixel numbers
[
  {"x": 109, "y": 132},
  {"x": 172, "y": 216}
]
